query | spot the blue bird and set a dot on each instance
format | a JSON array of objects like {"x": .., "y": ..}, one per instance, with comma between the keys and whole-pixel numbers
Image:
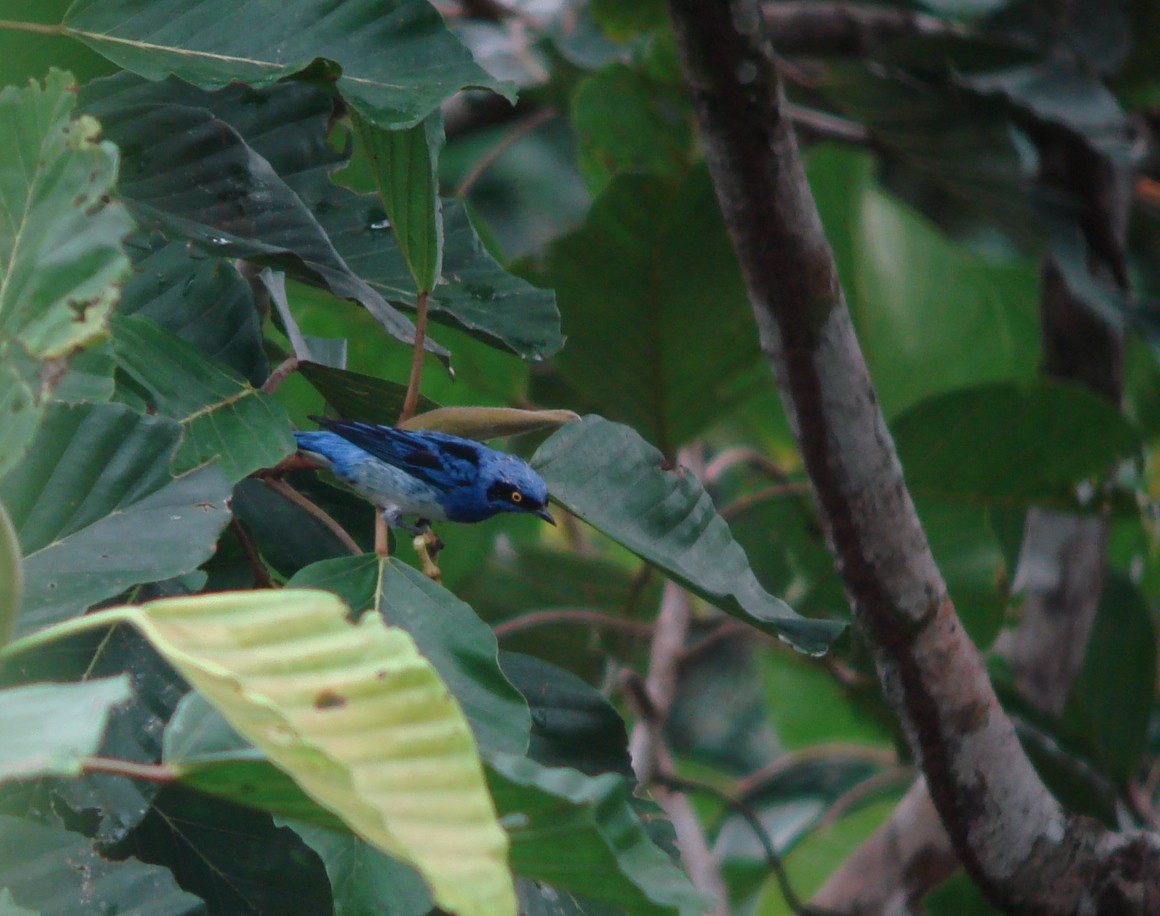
[{"x": 432, "y": 476}]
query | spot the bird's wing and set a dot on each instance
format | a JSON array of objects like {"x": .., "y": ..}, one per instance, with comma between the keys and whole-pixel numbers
[{"x": 436, "y": 458}]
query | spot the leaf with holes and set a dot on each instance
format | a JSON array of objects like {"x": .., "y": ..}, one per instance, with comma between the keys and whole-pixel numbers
[{"x": 60, "y": 247}]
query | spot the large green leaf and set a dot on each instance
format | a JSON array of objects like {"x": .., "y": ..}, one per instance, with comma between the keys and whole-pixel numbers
[
  {"x": 1003, "y": 444},
  {"x": 222, "y": 416},
  {"x": 363, "y": 879},
  {"x": 288, "y": 125},
  {"x": 931, "y": 315},
  {"x": 396, "y": 60},
  {"x": 353, "y": 714},
  {"x": 360, "y": 397},
  {"x": 60, "y": 874},
  {"x": 204, "y": 183},
  {"x": 199, "y": 298},
  {"x": 448, "y": 633},
  {"x": 609, "y": 854},
  {"x": 49, "y": 729},
  {"x": 1111, "y": 700},
  {"x": 405, "y": 166},
  {"x": 11, "y": 576},
  {"x": 60, "y": 247},
  {"x": 607, "y": 475},
  {"x": 660, "y": 333},
  {"x": 97, "y": 511}
]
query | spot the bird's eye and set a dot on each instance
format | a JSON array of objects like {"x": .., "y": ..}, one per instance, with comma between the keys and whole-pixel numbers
[{"x": 516, "y": 497}]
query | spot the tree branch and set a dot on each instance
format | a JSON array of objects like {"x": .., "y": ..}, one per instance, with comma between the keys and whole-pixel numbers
[
  {"x": 822, "y": 29},
  {"x": 1023, "y": 850}
]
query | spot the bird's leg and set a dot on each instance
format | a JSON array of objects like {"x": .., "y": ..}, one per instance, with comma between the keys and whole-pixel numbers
[{"x": 427, "y": 545}]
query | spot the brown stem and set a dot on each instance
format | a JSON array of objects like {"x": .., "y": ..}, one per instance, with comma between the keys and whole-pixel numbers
[
  {"x": 1017, "y": 843},
  {"x": 411, "y": 400},
  {"x": 280, "y": 373},
  {"x": 518, "y": 130},
  {"x": 150, "y": 772},
  {"x": 284, "y": 489},
  {"x": 253, "y": 557}
]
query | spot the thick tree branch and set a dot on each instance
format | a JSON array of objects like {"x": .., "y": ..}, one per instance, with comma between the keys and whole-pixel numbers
[{"x": 1018, "y": 844}]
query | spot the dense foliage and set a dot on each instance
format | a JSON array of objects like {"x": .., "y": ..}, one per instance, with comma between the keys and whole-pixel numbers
[{"x": 217, "y": 219}]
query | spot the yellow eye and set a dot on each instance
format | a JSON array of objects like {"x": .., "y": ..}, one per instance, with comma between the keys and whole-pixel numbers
[{"x": 517, "y": 496}]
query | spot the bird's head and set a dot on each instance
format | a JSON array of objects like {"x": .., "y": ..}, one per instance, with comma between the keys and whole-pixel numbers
[{"x": 511, "y": 486}]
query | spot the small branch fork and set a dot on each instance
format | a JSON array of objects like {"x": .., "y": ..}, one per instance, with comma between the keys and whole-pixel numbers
[{"x": 1023, "y": 850}]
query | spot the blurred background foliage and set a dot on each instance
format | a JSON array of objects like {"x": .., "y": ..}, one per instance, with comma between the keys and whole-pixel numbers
[{"x": 948, "y": 165}]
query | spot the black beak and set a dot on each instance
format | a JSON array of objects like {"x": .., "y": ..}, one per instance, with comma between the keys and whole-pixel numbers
[{"x": 546, "y": 516}]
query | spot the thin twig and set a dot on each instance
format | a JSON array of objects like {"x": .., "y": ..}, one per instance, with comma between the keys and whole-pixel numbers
[
  {"x": 772, "y": 859},
  {"x": 751, "y": 457},
  {"x": 288, "y": 492},
  {"x": 578, "y": 616},
  {"x": 150, "y": 772},
  {"x": 280, "y": 373},
  {"x": 411, "y": 401},
  {"x": 875, "y": 755},
  {"x": 518, "y": 130},
  {"x": 773, "y": 491},
  {"x": 866, "y": 787},
  {"x": 253, "y": 557}
]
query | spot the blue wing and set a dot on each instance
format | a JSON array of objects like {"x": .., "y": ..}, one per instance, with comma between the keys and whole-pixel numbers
[{"x": 439, "y": 459}]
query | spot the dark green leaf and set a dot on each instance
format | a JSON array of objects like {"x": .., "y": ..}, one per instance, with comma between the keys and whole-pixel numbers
[
  {"x": 49, "y": 729},
  {"x": 97, "y": 478},
  {"x": 1003, "y": 444},
  {"x": 396, "y": 59},
  {"x": 609, "y": 854},
  {"x": 199, "y": 298},
  {"x": 223, "y": 418},
  {"x": 573, "y": 725},
  {"x": 362, "y": 879},
  {"x": 405, "y": 166},
  {"x": 360, "y": 397},
  {"x": 60, "y": 874},
  {"x": 931, "y": 315},
  {"x": 660, "y": 334},
  {"x": 460, "y": 645},
  {"x": 201, "y": 181},
  {"x": 1112, "y": 697},
  {"x": 607, "y": 475}
]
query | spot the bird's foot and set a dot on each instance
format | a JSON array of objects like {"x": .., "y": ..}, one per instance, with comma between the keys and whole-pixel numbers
[{"x": 427, "y": 545}]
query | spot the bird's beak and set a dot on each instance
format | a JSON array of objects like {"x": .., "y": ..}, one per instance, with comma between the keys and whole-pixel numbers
[{"x": 546, "y": 516}]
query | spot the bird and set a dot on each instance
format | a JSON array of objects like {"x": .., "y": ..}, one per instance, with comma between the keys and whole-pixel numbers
[{"x": 430, "y": 475}]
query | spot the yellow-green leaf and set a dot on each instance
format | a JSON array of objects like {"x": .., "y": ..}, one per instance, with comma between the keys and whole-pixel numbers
[{"x": 355, "y": 716}]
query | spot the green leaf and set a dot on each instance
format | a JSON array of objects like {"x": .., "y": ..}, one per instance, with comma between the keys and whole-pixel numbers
[
  {"x": 611, "y": 478},
  {"x": 223, "y": 418},
  {"x": 11, "y": 576},
  {"x": 931, "y": 315},
  {"x": 207, "y": 185},
  {"x": 60, "y": 247},
  {"x": 49, "y": 729},
  {"x": 353, "y": 714},
  {"x": 485, "y": 423},
  {"x": 609, "y": 854},
  {"x": 9, "y": 908},
  {"x": 476, "y": 293},
  {"x": 1112, "y": 697},
  {"x": 362, "y": 879},
  {"x": 97, "y": 511},
  {"x": 199, "y": 298},
  {"x": 624, "y": 124},
  {"x": 360, "y": 397},
  {"x": 448, "y": 633},
  {"x": 1002, "y": 444},
  {"x": 573, "y": 725},
  {"x": 59, "y": 873},
  {"x": 660, "y": 335},
  {"x": 405, "y": 166},
  {"x": 396, "y": 60}
]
